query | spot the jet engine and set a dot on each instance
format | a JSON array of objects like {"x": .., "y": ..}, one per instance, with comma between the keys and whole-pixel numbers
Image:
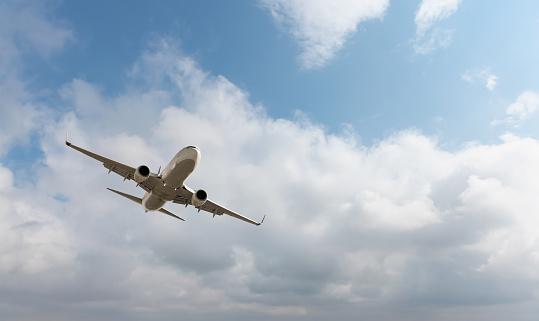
[
  {"x": 142, "y": 173},
  {"x": 199, "y": 198}
]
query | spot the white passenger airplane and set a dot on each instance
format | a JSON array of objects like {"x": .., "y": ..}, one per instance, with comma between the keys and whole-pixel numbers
[{"x": 168, "y": 185}]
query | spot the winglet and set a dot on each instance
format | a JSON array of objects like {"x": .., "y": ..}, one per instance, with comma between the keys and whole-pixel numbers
[
  {"x": 67, "y": 143},
  {"x": 262, "y": 220}
]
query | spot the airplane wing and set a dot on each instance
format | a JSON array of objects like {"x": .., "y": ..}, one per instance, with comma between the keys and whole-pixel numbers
[
  {"x": 184, "y": 198},
  {"x": 127, "y": 172}
]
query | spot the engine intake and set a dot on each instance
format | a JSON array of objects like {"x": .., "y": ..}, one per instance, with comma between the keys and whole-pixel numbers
[
  {"x": 199, "y": 198},
  {"x": 142, "y": 173}
]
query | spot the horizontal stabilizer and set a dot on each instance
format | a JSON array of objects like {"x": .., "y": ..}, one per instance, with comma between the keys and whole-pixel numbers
[
  {"x": 139, "y": 200},
  {"x": 131, "y": 197},
  {"x": 162, "y": 210}
]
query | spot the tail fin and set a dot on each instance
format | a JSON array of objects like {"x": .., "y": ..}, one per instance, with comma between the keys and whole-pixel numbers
[{"x": 139, "y": 200}]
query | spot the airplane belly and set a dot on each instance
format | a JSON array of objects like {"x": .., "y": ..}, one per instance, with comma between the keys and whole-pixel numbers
[
  {"x": 179, "y": 173},
  {"x": 152, "y": 203}
]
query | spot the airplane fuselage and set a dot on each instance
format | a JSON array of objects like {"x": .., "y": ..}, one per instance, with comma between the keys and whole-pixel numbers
[{"x": 172, "y": 178}]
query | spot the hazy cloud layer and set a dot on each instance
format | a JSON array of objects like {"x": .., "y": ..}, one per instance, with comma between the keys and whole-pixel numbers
[
  {"x": 401, "y": 229},
  {"x": 322, "y": 27},
  {"x": 429, "y": 38}
]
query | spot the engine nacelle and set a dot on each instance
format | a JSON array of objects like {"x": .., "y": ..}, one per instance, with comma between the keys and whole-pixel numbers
[
  {"x": 199, "y": 198},
  {"x": 142, "y": 173}
]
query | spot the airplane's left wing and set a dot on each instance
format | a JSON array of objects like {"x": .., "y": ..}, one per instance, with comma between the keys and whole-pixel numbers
[
  {"x": 127, "y": 172},
  {"x": 184, "y": 197}
]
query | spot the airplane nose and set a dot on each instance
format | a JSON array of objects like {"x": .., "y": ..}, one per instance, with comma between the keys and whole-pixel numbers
[
  {"x": 191, "y": 152},
  {"x": 196, "y": 152}
]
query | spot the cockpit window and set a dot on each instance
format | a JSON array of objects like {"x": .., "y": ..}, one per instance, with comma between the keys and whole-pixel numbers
[{"x": 189, "y": 147}]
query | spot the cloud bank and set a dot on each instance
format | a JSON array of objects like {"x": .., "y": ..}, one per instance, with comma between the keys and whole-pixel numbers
[
  {"x": 322, "y": 27},
  {"x": 400, "y": 229}
]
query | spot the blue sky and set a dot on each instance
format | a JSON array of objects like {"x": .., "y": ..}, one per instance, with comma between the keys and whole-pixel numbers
[
  {"x": 376, "y": 82},
  {"x": 393, "y": 146}
]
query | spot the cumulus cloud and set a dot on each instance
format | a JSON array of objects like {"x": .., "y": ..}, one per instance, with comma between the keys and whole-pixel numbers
[
  {"x": 322, "y": 27},
  {"x": 484, "y": 75},
  {"x": 521, "y": 110},
  {"x": 351, "y": 229},
  {"x": 429, "y": 13}
]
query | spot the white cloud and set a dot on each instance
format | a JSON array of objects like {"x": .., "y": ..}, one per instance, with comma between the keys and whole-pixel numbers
[
  {"x": 322, "y": 27},
  {"x": 522, "y": 109},
  {"x": 491, "y": 82},
  {"x": 438, "y": 38},
  {"x": 485, "y": 75},
  {"x": 429, "y": 13},
  {"x": 6, "y": 178},
  {"x": 19, "y": 113},
  {"x": 402, "y": 221},
  {"x": 33, "y": 241},
  {"x": 432, "y": 11},
  {"x": 24, "y": 28}
]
